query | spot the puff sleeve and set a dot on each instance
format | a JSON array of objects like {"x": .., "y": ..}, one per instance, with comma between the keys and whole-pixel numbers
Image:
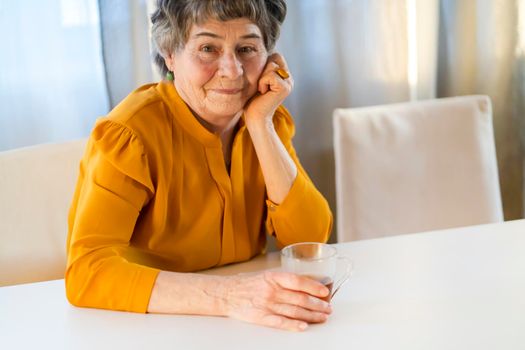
[
  {"x": 103, "y": 270},
  {"x": 304, "y": 214}
]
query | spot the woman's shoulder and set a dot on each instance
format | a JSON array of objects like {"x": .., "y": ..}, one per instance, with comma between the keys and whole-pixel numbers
[
  {"x": 143, "y": 114},
  {"x": 140, "y": 109},
  {"x": 139, "y": 124}
]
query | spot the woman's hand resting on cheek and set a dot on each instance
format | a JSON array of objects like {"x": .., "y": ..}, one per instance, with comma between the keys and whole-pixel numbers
[
  {"x": 277, "y": 299},
  {"x": 272, "y": 91}
]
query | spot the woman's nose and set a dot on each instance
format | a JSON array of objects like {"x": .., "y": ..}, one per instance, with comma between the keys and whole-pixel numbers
[{"x": 230, "y": 67}]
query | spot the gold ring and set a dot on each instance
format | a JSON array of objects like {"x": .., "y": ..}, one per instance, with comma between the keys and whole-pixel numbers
[{"x": 282, "y": 73}]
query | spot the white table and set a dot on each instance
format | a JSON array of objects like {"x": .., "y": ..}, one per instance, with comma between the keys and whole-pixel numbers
[{"x": 453, "y": 289}]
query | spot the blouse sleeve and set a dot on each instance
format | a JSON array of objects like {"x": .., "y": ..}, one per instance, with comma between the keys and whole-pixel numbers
[
  {"x": 304, "y": 214},
  {"x": 103, "y": 271}
]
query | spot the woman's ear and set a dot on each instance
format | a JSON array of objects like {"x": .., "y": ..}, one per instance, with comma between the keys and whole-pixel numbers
[{"x": 168, "y": 61}]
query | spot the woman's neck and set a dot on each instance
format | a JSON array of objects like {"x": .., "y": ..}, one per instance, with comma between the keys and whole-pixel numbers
[
  {"x": 220, "y": 127},
  {"x": 226, "y": 131}
]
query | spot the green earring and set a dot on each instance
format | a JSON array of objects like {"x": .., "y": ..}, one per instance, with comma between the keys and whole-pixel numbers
[{"x": 170, "y": 76}]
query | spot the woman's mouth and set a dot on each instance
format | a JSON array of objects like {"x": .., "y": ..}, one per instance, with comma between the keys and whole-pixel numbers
[{"x": 227, "y": 91}]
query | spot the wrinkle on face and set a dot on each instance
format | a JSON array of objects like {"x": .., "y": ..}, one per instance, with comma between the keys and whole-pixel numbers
[{"x": 204, "y": 79}]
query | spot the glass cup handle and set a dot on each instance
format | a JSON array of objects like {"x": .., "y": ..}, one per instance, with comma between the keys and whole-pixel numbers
[{"x": 346, "y": 275}]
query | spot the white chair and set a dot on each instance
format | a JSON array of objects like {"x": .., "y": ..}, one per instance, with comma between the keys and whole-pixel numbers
[
  {"x": 415, "y": 166},
  {"x": 36, "y": 189}
]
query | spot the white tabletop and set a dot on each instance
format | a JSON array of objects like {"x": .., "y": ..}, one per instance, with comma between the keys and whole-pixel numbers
[{"x": 453, "y": 289}]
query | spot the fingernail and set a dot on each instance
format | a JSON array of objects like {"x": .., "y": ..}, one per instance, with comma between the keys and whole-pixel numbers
[{"x": 303, "y": 326}]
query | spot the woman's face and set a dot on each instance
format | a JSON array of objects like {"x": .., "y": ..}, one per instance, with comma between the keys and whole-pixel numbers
[{"x": 218, "y": 69}]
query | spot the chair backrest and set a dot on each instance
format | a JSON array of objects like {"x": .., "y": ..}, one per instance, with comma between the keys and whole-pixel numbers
[
  {"x": 415, "y": 166},
  {"x": 36, "y": 189}
]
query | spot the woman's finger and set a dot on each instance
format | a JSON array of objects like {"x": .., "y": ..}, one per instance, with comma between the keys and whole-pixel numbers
[
  {"x": 271, "y": 81},
  {"x": 279, "y": 60},
  {"x": 298, "y": 313},
  {"x": 282, "y": 322},
  {"x": 303, "y": 300},
  {"x": 272, "y": 68},
  {"x": 299, "y": 283}
]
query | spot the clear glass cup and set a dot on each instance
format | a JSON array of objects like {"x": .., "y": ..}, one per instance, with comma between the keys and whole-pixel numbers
[{"x": 318, "y": 261}]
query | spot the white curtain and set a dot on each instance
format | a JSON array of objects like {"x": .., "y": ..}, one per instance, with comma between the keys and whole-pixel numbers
[
  {"x": 52, "y": 84},
  {"x": 126, "y": 48},
  {"x": 351, "y": 53}
]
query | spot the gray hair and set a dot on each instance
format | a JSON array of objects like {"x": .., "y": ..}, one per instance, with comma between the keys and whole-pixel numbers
[{"x": 172, "y": 21}]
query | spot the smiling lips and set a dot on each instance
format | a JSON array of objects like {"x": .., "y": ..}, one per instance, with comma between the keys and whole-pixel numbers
[{"x": 227, "y": 91}]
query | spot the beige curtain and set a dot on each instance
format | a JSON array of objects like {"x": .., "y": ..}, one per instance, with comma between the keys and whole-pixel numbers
[
  {"x": 479, "y": 53},
  {"x": 346, "y": 53}
]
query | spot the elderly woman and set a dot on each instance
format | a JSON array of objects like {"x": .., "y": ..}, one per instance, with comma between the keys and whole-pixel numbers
[{"x": 191, "y": 173}]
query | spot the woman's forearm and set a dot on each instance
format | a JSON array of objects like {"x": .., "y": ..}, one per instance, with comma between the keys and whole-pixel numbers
[
  {"x": 188, "y": 293},
  {"x": 278, "y": 168}
]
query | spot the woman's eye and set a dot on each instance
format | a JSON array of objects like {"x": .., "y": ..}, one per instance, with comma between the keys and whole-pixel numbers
[
  {"x": 207, "y": 49},
  {"x": 246, "y": 49}
]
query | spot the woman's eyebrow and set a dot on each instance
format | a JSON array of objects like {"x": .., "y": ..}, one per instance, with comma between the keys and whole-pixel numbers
[
  {"x": 209, "y": 34},
  {"x": 216, "y": 36},
  {"x": 251, "y": 36}
]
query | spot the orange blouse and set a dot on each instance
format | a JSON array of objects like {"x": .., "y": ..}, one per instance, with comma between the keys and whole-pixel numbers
[{"x": 154, "y": 194}]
